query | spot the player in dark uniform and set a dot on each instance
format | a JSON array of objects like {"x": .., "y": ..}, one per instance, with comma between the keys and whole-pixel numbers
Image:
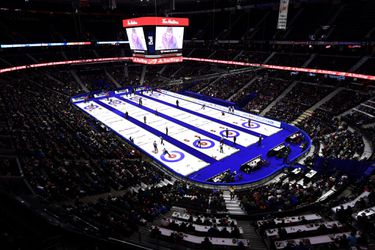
[
  {"x": 260, "y": 140},
  {"x": 155, "y": 147},
  {"x": 165, "y": 152},
  {"x": 222, "y": 140},
  {"x": 199, "y": 143}
]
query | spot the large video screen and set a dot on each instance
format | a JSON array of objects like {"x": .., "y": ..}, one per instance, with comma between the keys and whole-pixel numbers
[
  {"x": 136, "y": 38},
  {"x": 169, "y": 38}
]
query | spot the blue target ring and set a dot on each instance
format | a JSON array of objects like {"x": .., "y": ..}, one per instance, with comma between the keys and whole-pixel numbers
[
  {"x": 91, "y": 107},
  {"x": 231, "y": 133},
  {"x": 252, "y": 125},
  {"x": 175, "y": 156},
  {"x": 115, "y": 102},
  {"x": 205, "y": 143},
  {"x": 135, "y": 98}
]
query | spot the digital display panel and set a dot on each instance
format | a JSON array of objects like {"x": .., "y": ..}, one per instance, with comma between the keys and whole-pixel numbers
[
  {"x": 169, "y": 38},
  {"x": 136, "y": 38}
]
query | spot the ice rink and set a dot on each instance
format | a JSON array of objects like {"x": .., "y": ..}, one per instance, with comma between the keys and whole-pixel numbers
[
  {"x": 237, "y": 118},
  {"x": 192, "y": 132},
  {"x": 180, "y": 161},
  {"x": 207, "y": 125},
  {"x": 177, "y": 131}
]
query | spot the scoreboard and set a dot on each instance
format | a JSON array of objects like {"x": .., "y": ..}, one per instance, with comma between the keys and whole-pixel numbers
[{"x": 155, "y": 40}]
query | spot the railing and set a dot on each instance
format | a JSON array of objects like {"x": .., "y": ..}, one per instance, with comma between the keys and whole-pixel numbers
[{"x": 245, "y": 64}]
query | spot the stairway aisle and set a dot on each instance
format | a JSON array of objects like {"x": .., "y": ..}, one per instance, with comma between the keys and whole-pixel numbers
[
  {"x": 233, "y": 206},
  {"x": 309, "y": 112},
  {"x": 244, "y": 87},
  {"x": 113, "y": 80},
  {"x": 281, "y": 96},
  {"x": 250, "y": 233},
  {"x": 78, "y": 80}
]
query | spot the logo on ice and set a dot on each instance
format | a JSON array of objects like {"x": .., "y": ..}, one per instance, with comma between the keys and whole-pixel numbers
[{"x": 169, "y": 21}]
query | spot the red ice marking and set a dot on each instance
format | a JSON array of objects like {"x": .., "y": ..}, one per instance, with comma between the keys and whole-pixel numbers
[
  {"x": 172, "y": 156},
  {"x": 204, "y": 143}
]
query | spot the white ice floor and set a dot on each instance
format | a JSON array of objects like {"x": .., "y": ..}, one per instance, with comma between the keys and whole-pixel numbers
[
  {"x": 207, "y": 125},
  {"x": 194, "y": 105},
  {"x": 185, "y": 165},
  {"x": 182, "y": 134},
  {"x": 179, "y": 160}
]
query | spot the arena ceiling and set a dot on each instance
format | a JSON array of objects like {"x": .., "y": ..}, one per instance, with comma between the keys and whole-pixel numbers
[{"x": 138, "y": 5}]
